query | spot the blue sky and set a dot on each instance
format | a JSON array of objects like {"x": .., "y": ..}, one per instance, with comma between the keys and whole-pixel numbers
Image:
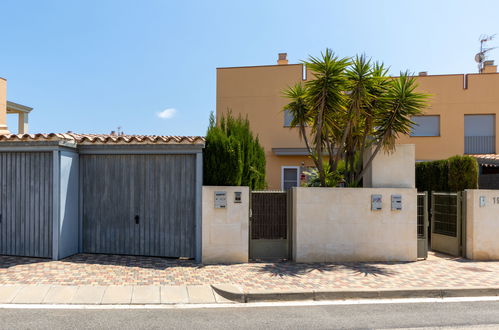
[{"x": 150, "y": 66}]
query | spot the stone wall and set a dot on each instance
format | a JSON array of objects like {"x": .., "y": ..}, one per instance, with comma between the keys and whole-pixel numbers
[
  {"x": 225, "y": 231},
  {"x": 482, "y": 224},
  {"x": 395, "y": 169},
  {"x": 337, "y": 224}
]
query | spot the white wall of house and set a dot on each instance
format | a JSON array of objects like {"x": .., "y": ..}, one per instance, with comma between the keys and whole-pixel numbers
[
  {"x": 482, "y": 224},
  {"x": 225, "y": 236},
  {"x": 338, "y": 224},
  {"x": 394, "y": 169}
]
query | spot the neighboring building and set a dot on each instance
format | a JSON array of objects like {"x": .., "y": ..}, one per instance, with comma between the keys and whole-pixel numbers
[
  {"x": 7, "y": 107},
  {"x": 461, "y": 118}
]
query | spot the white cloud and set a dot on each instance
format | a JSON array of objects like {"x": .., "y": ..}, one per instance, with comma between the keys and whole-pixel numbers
[{"x": 167, "y": 113}]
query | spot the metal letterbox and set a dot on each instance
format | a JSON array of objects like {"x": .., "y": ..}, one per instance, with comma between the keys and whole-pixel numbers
[
  {"x": 220, "y": 199},
  {"x": 482, "y": 201},
  {"x": 396, "y": 202},
  {"x": 376, "y": 202},
  {"x": 237, "y": 197}
]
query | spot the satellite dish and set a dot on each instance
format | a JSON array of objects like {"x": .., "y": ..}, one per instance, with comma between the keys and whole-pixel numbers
[{"x": 479, "y": 57}]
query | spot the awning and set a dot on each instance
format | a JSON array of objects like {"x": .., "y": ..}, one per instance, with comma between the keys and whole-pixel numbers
[{"x": 487, "y": 160}]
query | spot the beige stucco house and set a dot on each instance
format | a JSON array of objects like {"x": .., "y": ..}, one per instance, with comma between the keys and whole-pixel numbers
[
  {"x": 461, "y": 118},
  {"x": 7, "y": 107}
]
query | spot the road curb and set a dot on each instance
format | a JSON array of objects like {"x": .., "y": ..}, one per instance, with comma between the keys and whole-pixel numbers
[{"x": 318, "y": 295}]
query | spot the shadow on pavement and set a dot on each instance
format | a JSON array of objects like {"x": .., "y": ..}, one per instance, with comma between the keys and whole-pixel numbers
[{"x": 285, "y": 269}]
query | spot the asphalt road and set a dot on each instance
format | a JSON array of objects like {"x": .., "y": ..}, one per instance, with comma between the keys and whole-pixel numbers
[{"x": 448, "y": 315}]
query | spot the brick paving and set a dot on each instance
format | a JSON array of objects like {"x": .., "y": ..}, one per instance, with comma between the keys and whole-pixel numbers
[{"x": 438, "y": 271}]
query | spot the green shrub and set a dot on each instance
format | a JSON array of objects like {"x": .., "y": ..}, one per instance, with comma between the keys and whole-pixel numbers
[
  {"x": 463, "y": 173},
  {"x": 454, "y": 174},
  {"x": 232, "y": 156},
  {"x": 332, "y": 177}
]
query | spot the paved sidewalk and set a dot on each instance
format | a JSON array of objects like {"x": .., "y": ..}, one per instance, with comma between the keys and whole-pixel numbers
[
  {"x": 128, "y": 279},
  {"x": 106, "y": 270},
  {"x": 122, "y": 295}
]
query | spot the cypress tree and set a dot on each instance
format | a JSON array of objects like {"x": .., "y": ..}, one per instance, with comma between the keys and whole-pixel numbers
[{"x": 232, "y": 155}]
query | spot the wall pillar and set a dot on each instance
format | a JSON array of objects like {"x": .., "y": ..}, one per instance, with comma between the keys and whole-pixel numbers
[{"x": 3, "y": 107}]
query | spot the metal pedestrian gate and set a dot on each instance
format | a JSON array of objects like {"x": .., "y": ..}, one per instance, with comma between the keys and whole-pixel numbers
[
  {"x": 270, "y": 225},
  {"x": 423, "y": 225},
  {"x": 447, "y": 225}
]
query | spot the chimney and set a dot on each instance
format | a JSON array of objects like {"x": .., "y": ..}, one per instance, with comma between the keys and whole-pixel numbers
[
  {"x": 489, "y": 67},
  {"x": 423, "y": 73},
  {"x": 3, "y": 107},
  {"x": 282, "y": 59}
]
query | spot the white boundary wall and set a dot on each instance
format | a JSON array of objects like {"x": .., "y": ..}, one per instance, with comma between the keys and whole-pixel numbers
[
  {"x": 225, "y": 237},
  {"x": 482, "y": 224},
  {"x": 337, "y": 224},
  {"x": 394, "y": 169}
]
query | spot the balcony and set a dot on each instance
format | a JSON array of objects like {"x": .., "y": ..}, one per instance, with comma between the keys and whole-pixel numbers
[{"x": 480, "y": 144}]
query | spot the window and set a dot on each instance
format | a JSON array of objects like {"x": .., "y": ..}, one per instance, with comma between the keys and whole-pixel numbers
[
  {"x": 426, "y": 126},
  {"x": 288, "y": 118},
  {"x": 479, "y": 134},
  {"x": 290, "y": 177}
]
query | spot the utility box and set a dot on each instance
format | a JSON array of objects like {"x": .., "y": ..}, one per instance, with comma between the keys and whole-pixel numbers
[
  {"x": 396, "y": 202},
  {"x": 376, "y": 202},
  {"x": 220, "y": 199}
]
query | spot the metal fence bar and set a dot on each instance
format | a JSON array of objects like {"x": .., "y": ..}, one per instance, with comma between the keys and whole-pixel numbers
[
  {"x": 269, "y": 218},
  {"x": 445, "y": 213},
  {"x": 479, "y": 144}
]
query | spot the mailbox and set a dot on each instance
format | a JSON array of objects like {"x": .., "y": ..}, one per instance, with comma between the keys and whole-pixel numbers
[
  {"x": 376, "y": 202},
  {"x": 482, "y": 201},
  {"x": 237, "y": 197},
  {"x": 396, "y": 202},
  {"x": 220, "y": 199}
]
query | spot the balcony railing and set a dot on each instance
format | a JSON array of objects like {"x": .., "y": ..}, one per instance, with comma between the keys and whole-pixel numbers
[{"x": 479, "y": 144}]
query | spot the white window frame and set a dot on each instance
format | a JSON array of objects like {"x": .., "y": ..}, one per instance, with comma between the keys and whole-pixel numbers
[{"x": 297, "y": 174}]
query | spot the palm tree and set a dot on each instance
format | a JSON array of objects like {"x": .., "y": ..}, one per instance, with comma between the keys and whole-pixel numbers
[
  {"x": 326, "y": 103},
  {"x": 352, "y": 105}
]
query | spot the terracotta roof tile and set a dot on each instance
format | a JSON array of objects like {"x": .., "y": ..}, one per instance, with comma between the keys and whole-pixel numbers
[
  {"x": 487, "y": 159},
  {"x": 104, "y": 138}
]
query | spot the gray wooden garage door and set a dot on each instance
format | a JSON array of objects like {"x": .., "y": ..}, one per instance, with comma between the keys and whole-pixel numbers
[
  {"x": 139, "y": 204},
  {"x": 26, "y": 204}
]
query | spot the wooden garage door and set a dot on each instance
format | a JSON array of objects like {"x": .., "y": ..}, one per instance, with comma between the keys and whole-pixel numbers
[
  {"x": 139, "y": 204},
  {"x": 26, "y": 204}
]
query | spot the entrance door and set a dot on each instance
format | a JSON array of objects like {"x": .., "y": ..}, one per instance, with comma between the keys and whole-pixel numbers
[
  {"x": 446, "y": 223},
  {"x": 139, "y": 204},
  {"x": 269, "y": 229},
  {"x": 423, "y": 225}
]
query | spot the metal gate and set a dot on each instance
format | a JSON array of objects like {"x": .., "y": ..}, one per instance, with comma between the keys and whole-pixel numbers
[
  {"x": 270, "y": 225},
  {"x": 139, "y": 204},
  {"x": 447, "y": 223},
  {"x": 26, "y": 210},
  {"x": 423, "y": 225}
]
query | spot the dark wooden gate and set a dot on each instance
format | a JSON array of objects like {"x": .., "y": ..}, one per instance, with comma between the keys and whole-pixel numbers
[{"x": 269, "y": 225}]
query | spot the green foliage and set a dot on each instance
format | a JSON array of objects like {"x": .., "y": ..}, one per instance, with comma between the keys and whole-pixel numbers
[
  {"x": 333, "y": 177},
  {"x": 232, "y": 156},
  {"x": 463, "y": 173},
  {"x": 351, "y": 105},
  {"x": 450, "y": 175}
]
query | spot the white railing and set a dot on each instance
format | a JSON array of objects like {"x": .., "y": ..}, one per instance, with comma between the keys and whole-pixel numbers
[{"x": 479, "y": 144}]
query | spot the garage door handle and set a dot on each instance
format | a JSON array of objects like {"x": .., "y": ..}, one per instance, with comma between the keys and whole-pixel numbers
[
  {"x": 1, "y": 218},
  {"x": 137, "y": 218}
]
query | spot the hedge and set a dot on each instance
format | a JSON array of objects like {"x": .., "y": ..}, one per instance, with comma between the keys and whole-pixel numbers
[{"x": 450, "y": 175}]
